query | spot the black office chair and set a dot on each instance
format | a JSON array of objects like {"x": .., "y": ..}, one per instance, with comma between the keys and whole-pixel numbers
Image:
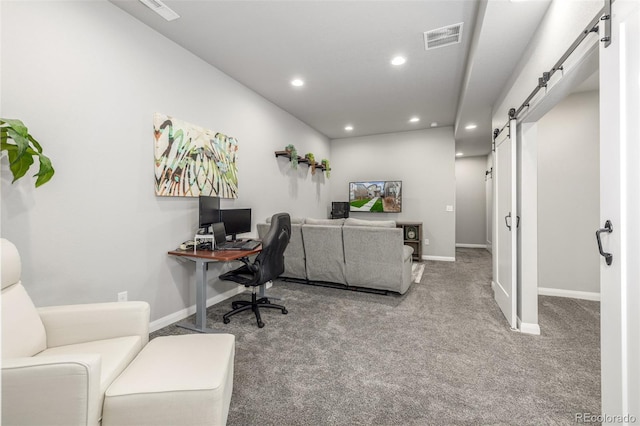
[{"x": 268, "y": 265}]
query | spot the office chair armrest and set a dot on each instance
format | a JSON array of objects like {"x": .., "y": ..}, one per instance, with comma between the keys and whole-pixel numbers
[
  {"x": 61, "y": 389},
  {"x": 253, "y": 266}
]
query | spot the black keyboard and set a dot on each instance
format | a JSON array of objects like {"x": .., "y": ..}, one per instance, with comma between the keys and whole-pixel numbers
[
  {"x": 239, "y": 245},
  {"x": 251, "y": 245},
  {"x": 229, "y": 246}
]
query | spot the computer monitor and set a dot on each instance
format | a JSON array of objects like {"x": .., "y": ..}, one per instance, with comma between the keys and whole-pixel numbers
[
  {"x": 339, "y": 209},
  {"x": 208, "y": 212},
  {"x": 236, "y": 221}
]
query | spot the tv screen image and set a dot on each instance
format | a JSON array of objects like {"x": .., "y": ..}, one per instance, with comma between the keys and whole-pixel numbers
[{"x": 376, "y": 196}]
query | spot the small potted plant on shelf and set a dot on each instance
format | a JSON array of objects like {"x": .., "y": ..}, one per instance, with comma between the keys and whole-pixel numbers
[
  {"x": 23, "y": 150},
  {"x": 293, "y": 154},
  {"x": 312, "y": 162},
  {"x": 325, "y": 164}
]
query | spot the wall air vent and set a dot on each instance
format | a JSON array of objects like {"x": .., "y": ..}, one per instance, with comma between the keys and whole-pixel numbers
[
  {"x": 161, "y": 9},
  {"x": 443, "y": 36}
]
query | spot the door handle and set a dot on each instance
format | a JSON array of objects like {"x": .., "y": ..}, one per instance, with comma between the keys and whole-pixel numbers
[
  {"x": 507, "y": 220},
  {"x": 608, "y": 228}
]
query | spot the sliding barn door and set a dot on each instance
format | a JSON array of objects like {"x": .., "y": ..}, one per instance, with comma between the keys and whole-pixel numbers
[
  {"x": 620, "y": 208},
  {"x": 505, "y": 224}
]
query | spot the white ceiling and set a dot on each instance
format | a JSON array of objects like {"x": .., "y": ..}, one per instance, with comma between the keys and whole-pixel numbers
[{"x": 342, "y": 50}]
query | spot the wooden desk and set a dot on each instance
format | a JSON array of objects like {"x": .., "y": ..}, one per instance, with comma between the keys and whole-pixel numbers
[{"x": 202, "y": 258}]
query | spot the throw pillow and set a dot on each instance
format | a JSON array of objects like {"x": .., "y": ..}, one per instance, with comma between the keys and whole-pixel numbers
[
  {"x": 334, "y": 222},
  {"x": 379, "y": 223}
]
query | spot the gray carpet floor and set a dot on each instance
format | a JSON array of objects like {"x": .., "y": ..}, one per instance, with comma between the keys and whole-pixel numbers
[{"x": 441, "y": 354}]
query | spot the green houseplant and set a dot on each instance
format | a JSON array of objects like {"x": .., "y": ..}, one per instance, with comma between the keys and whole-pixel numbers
[
  {"x": 293, "y": 153},
  {"x": 325, "y": 164},
  {"x": 312, "y": 162},
  {"x": 22, "y": 149}
]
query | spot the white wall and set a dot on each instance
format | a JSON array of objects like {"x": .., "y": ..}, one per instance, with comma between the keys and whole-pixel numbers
[
  {"x": 425, "y": 162},
  {"x": 86, "y": 78},
  {"x": 569, "y": 195},
  {"x": 471, "y": 226}
]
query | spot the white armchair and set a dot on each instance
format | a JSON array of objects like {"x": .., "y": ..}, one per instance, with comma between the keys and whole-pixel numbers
[{"x": 57, "y": 362}]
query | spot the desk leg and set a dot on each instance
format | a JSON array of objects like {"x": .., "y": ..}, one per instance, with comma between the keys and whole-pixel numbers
[{"x": 201, "y": 301}]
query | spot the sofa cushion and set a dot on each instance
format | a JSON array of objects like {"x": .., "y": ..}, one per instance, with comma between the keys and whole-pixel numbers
[
  {"x": 331, "y": 222},
  {"x": 379, "y": 223},
  {"x": 374, "y": 257},
  {"x": 116, "y": 355},
  {"x": 294, "y": 220},
  {"x": 324, "y": 253},
  {"x": 23, "y": 333},
  {"x": 176, "y": 380}
]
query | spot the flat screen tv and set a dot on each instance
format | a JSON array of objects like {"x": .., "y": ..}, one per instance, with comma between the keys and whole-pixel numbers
[
  {"x": 208, "y": 212},
  {"x": 383, "y": 196},
  {"x": 236, "y": 221}
]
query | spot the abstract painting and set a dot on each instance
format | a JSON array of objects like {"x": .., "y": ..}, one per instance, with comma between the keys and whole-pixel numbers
[{"x": 193, "y": 161}]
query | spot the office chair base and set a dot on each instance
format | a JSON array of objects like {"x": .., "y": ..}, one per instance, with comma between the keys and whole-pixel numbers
[{"x": 254, "y": 305}]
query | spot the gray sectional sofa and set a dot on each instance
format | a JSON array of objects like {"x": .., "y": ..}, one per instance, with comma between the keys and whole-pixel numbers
[{"x": 351, "y": 252}]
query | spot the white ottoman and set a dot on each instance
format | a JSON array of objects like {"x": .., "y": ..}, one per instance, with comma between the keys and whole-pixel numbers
[{"x": 174, "y": 380}]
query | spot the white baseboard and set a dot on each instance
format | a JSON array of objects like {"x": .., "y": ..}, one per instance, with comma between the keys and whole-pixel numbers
[
  {"x": 528, "y": 328},
  {"x": 439, "y": 258},
  {"x": 573, "y": 294},
  {"x": 183, "y": 313},
  {"x": 484, "y": 246}
]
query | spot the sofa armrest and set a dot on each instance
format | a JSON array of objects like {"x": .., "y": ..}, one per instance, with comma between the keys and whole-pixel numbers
[
  {"x": 66, "y": 325},
  {"x": 51, "y": 390}
]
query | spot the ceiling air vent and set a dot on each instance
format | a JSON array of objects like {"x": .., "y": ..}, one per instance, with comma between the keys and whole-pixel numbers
[
  {"x": 443, "y": 36},
  {"x": 161, "y": 9}
]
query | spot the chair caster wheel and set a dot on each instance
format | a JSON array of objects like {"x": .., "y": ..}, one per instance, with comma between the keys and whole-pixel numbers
[
  {"x": 285, "y": 312},
  {"x": 226, "y": 320},
  {"x": 260, "y": 324}
]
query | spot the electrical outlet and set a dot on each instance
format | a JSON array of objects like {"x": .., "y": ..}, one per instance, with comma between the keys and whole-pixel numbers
[
  {"x": 449, "y": 208},
  {"x": 122, "y": 296},
  {"x": 426, "y": 241}
]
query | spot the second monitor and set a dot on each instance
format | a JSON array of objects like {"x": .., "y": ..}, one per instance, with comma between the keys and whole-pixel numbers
[{"x": 236, "y": 221}]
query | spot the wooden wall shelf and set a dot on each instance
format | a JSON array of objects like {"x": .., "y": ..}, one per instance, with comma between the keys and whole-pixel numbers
[{"x": 301, "y": 160}]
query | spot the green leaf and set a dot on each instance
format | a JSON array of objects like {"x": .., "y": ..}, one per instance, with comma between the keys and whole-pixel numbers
[
  {"x": 23, "y": 150},
  {"x": 45, "y": 173},
  {"x": 19, "y": 164},
  {"x": 21, "y": 142},
  {"x": 17, "y": 125},
  {"x": 35, "y": 143}
]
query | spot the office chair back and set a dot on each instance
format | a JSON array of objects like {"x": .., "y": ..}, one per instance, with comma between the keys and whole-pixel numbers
[{"x": 269, "y": 264}]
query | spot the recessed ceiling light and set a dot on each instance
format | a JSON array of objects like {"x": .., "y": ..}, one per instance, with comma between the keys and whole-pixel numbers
[
  {"x": 348, "y": 128},
  {"x": 297, "y": 82},
  {"x": 398, "y": 60},
  {"x": 434, "y": 124},
  {"x": 414, "y": 120},
  {"x": 470, "y": 126},
  {"x": 459, "y": 154}
]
